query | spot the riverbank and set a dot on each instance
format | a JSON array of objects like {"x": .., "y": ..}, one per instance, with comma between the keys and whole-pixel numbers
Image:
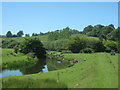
[
  {"x": 12, "y": 60},
  {"x": 97, "y": 70},
  {"x": 12, "y": 63}
]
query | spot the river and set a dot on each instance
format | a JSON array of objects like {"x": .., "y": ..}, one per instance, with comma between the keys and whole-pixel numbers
[{"x": 44, "y": 67}]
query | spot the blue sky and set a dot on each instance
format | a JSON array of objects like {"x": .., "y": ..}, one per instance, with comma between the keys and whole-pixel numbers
[{"x": 36, "y": 17}]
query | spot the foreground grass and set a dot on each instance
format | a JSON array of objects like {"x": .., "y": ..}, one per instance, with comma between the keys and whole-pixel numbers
[{"x": 97, "y": 70}]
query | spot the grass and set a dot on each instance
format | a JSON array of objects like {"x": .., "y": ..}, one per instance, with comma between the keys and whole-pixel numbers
[
  {"x": 97, "y": 70},
  {"x": 20, "y": 39},
  {"x": 12, "y": 60},
  {"x": 34, "y": 83},
  {"x": 8, "y": 55}
]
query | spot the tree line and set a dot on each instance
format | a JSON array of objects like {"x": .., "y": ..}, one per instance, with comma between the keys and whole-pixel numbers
[
  {"x": 102, "y": 32},
  {"x": 82, "y": 43},
  {"x": 9, "y": 34},
  {"x": 96, "y": 38}
]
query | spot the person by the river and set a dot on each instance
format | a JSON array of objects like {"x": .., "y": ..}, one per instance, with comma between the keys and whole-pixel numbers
[{"x": 75, "y": 61}]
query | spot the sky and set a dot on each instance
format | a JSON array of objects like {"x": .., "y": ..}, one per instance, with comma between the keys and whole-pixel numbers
[{"x": 36, "y": 17}]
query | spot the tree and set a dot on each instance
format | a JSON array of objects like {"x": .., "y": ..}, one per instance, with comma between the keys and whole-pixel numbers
[
  {"x": 34, "y": 34},
  {"x": 27, "y": 35},
  {"x": 99, "y": 26},
  {"x": 9, "y": 34},
  {"x": 20, "y": 34},
  {"x": 88, "y": 29},
  {"x": 106, "y": 30},
  {"x": 112, "y": 26},
  {"x": 41, "y": 33},
  {"x": 98, "y": 46},
  {"x": 76, "y": 44},
  {"x": 33, "y": 45},
  {"x": 14, "y": 35},
  {"x": 111, "y": 45}
]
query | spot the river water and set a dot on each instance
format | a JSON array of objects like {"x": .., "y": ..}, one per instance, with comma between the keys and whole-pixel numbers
[
  {"x": 6, "y": 73},
  {"x": 44, "y": 67}
]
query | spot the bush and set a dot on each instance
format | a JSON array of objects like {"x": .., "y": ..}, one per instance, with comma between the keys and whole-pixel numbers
[
  {"x": 77, "y": 44},
  {"x": 99, "y": 46},
  {"x": 9, "y": 43},
  {"x": 16, "y": 49},
  {"x": 111, "y": 45},
  {"x": 31, "y": 56},
  {"x": 34, "y": 45},
  {"x": 87, "y": 50}
]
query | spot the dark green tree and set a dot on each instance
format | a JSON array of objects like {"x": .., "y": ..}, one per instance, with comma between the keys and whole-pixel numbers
[
  {"x": 33, "y": 45},
  {"x": 76, "y": 44},
  {"x": 34, "y": 34},
  {"x": 27, "y": 35},
  {"x": 98, "y": 46},
  {"x": 112, "y": 26},
  {"x": 14, "y": 35},
  {"x": 111, "y": 45},
  {"x": 41, "y": 33},
  {"x": 20, "y": 34},
  {"x": 88, "y": 29},
  {"x": 99, "y": 26},
  {"x": 9, "y": 34}
]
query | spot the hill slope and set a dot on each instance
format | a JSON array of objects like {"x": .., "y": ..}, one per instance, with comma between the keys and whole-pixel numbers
[{"x": 97, "y": 70}]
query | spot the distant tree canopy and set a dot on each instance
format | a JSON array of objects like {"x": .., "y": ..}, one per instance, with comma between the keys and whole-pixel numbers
[
  {"x": 65, "y": 33},
  {"x": 34, "y": 34},
  {"x": 20, "y": 34},
  {"x": 9, "y": 34},
  {"x": 88, "y": 29},
  {"x": 27, "y": 35},
  {"x": 102, "y": 32},
  {"x": 91, "y": 38}
]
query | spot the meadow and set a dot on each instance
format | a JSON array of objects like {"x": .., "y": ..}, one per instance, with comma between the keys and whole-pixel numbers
[
  {"x": 95, "y": 70},
  {"x": 12, "y": 60}
]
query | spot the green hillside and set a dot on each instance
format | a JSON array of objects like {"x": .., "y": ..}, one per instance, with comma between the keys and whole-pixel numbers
[{"x": 97, "y": 70}]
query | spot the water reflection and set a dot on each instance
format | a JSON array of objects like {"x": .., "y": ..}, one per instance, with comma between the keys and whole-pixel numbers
[
  {"x": 45, "y": 69},
  {"x": 7, "y": 73},
  {"x": 43, "y": 65},
  {"x": 34, "y": 68}
]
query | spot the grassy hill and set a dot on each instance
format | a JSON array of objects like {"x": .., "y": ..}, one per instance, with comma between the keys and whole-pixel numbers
[
  {"x": 20, "y": 39},
  {"x": 97, "y": 70}
]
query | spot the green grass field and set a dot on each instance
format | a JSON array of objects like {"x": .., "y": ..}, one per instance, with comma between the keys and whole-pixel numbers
[
  {"x": 8, "y": 55},
  {"x": 12, "y": 60},
  {"x": 20, "y": 39},
  {"x": 97, "y": 70}
]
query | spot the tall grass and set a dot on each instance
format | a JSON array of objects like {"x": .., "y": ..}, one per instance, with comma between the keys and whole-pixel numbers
[{"x": 32, "y": 83}]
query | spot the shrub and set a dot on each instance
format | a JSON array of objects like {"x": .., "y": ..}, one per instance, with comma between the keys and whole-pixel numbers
[
  {"x": 98, "y": 46},
  {"x": 34, "y": 45},
  {"x": 9, "y": 43},
  {"x": 87, "y": 50},
  {"x": 111, "y": 45},
  {"x": 31, "y": 56},
  {"x": 77, "y": 44}
]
